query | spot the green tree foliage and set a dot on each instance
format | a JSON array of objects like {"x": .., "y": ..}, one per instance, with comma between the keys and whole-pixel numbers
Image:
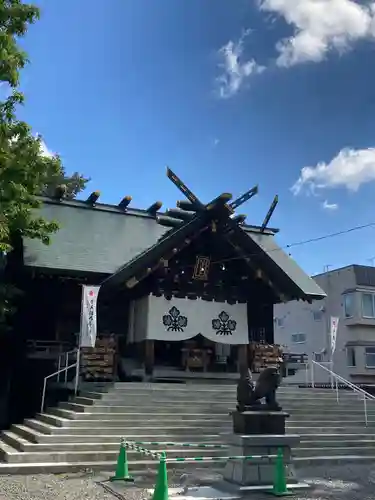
[{"x": 25, "y": 172}]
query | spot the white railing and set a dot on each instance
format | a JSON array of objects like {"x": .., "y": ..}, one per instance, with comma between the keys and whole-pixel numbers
[
  {"x": 338, "y": 379},
  {"x": 63, "y": 361},
  {"x": 65, "y": 371}
]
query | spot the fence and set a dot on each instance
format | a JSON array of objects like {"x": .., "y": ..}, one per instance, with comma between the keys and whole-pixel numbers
[
  {"x": 182, "y": 445},
  {"x": 161, "y": 487}
]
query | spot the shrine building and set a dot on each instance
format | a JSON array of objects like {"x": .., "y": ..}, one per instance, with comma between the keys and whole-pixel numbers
[{"x": 183, "y": 291}]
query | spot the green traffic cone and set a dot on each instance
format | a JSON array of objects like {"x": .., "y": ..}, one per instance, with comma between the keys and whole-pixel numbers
[
  {"x": 279, "y": 484},
  {"x": 122, "y": 470},
  {"x": 161, "y": 486}
]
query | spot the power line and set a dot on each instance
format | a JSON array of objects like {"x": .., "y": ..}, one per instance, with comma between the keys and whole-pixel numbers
[
  {"x": 331, "y": 235},
  {"x": 299, "y": 243}
]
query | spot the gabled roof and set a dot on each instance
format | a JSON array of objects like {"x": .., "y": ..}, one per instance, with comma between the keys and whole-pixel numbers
[{"x": 258, "y": 248}]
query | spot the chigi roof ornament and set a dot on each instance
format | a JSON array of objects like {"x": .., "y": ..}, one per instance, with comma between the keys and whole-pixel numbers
[
  {"x": 187, "y": 209},
  {"x": 269, "y": 213},
  {"x": 207, "y": 227}
]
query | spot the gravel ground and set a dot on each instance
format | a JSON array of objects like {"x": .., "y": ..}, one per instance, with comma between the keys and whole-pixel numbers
[{"x": 342, "y": 482}]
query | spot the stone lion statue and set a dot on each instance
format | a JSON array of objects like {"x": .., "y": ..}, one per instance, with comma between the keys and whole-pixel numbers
[{"x": 249, "y": 396}]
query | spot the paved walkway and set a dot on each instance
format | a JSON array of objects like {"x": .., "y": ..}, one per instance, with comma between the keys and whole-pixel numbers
[{"x": 342, "y": 482}]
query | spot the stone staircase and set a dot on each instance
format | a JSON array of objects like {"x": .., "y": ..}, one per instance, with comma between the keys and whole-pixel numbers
[{"x": 85, "y": 433}]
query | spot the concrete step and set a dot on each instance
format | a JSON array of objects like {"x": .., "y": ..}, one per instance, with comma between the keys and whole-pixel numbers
[
  {"x": 157, "y": 413},
  {"x": 128, "y": 431},
  {"x": 120, "y": 407},
  {"x": 334, "y": 451},
  {"x": 202, "y": 389},
  {"x": 85, "y": 401},
  {"x": 138, "y": 468},
  {"x": 113, "y": 419},
  {"x": 329, "y": 460},
  {"x": 140, "y": 420},
  {"x": 334, "y": 438},
  {"x": 199, "y": 407},
  {"x": 88, "y": 429},
  {"x": 191, "y": 396},
  {"x": 301, "y": 429},
  {"x": 190, "y": 419},
  {"x": 35, "y": 436},
  {"x": 91, "y": 395},
  {"x": 209, "y": 388},
  {"x": 341, "y": 442},
  {"x": 32, "y": 435},
  {"x": 110, "y": 443},
  {"x": 132, "y": 432},
  {"x": 194, "y": 399},
  {"x": 96, "y": 448},
  {"x": 17, "y": 449}
]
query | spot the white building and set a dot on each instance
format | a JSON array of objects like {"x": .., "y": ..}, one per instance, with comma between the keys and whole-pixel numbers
[{"x": 305, "y": 328}]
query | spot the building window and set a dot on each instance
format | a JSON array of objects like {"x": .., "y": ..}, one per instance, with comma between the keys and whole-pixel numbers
[
  {"x": 368, "y": 309},
  {"x": 280, "y": 322},
  {"x": 350, "y": 356},
  {"x": 370, "y": 357},
  {"x": 349, "y": 305},
  {"x": 298, "y": 338},
  {"x": 317, "y": 315},
  {"x": 318, "y": 357}
]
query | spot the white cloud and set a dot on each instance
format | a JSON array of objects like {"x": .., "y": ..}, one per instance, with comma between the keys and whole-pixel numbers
[
  {"x": 330, "y": 206},
  {"x": 45, "y": 151},
  {"x": 320, "y": 26},
  {"x": 235, "y": 71},
  {"x": 349, "y": 169},
  {"x": 43, "y": 146},
  {"x": 215, "y": 142}
]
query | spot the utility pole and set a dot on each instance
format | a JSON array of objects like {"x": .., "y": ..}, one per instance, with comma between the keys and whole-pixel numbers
[{"x": 328, "y": 318}]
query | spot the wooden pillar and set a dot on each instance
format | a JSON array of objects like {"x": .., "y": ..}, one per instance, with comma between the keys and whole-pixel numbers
[
  {"x": 243, "y": 358},
  {"x": 149, "y": 357}
]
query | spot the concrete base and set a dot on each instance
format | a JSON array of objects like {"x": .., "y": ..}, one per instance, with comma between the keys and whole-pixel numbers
[
  {"x": 220, "y": 492},
  {"x": 259, "y": 422},
  {"x": 259, "y": 471}
]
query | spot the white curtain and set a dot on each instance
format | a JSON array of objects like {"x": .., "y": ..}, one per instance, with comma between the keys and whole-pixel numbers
[
  {"x": 224, "y": 323},
  {"x": 180, "y": 319},
  {"x": 171, "y": 320}
]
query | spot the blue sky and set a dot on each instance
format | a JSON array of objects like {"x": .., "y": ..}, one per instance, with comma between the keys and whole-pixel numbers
[{"x": 229, "y": 94}]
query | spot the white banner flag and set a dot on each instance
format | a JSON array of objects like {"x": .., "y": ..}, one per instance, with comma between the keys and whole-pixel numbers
[
  {"x": 334, "y": 327},
  {"x": 88, "y": 316}
]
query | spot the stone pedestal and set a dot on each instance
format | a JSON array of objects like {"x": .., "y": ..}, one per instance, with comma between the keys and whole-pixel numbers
[
  {"x": 259, "y": 422},
  {"x": 259, "y": 471},
  {"x": 258, "y": 433}
]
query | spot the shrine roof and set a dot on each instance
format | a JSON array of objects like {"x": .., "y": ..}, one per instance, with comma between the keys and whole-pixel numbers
[
  {"x": 95, "y": 239},
  {"x": 261, "y": 247},
  {"x": 128, "y": 244}
]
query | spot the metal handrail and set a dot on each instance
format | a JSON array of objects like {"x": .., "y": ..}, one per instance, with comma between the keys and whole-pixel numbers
[
  {"x": 366, "y": 395},
  {"x": 66, "y": 355},
  {"x": 57, "y": 373}
]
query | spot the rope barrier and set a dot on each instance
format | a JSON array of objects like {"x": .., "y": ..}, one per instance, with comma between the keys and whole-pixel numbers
[
  {"x": 218, "y": 459},
  {"x": 133, "y": 446},
  {"x": 183, "y": 445},
  {"x": 161, "y": 486}
]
